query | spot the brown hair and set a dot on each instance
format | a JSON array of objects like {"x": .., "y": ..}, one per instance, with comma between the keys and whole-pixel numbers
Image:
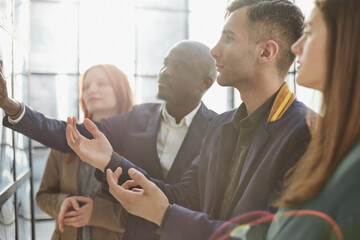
[
  {"x": 340, "y": 125},
  {"x": 120, "y": 84},
  {"x": 277, "y": 20}
]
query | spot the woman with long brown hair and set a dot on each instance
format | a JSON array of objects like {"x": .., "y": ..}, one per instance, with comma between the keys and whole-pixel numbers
[
  {"x": 322, "y": 195},
  {"x": 69, "y": 191}
]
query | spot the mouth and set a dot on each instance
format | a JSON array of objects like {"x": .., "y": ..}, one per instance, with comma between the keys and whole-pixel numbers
[
  {"x": 163, "y": 84},
  {"x": 298, "y": 66},
  {"x": 92, "y": 99},
  {"x": 219, "y": 68}
]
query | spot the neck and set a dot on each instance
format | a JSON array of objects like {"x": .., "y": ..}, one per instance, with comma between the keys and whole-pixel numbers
[
  {"x": 100, "y": 115},
  {"x": 179, "y": 111},
  {"x": 259, "y": 92}
]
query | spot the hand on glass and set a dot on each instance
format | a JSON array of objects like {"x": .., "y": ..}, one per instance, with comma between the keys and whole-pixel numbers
[
  {"x": 72, "y": 214},
  {"x": 149, "y": 202},
  {"x": 9, "y": 105},
  {"x": 97, "y": 151}
]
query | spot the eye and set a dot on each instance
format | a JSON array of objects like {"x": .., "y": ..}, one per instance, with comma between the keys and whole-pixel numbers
[
  {"x": 178, "y": 67},
  {"x": 86, "y": 87},
  {"x": 229, "y": 38}
]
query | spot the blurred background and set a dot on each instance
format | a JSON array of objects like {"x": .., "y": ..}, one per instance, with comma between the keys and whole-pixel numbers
[{"x": 47, "y": 44}]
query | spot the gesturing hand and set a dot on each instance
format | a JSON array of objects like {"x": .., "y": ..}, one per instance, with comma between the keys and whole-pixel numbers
[
  {"x": 149, "y": 202},
  {"x": 97, "y": 151},
  {"x": 9, "y": 105},
  {"x": 74, "y": 215}
]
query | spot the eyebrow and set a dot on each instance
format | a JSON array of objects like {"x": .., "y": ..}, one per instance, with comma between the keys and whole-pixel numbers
[{"x": 227, "y": 31}]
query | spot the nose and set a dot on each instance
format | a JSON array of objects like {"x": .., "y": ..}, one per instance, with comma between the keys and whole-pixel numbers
[
  {"x": 214, "y": 52},
  {"x": 166, "y": 71},
  {"x": 297, "y": 47},
  {"x": 91, "y": 88}
]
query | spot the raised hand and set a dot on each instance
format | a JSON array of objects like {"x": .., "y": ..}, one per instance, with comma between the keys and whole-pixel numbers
[
  {"x": 149, "y": 202},
  {"x": 10, "y": 106},
  {"x": 97, "y": 151},
  {"x": 72, "y": 214}
]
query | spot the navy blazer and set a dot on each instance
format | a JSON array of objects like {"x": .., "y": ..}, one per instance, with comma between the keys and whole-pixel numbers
[
  {"x": 275, "y": 148},
  {"x": 133, "y": 134}
]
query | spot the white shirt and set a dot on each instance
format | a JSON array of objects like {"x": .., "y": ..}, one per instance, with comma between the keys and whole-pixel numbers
[
  {"x": 13, "y": 122},
  {"x": 171, "y": 136}
]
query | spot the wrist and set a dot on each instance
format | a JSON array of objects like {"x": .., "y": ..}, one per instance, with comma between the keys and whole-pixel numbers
[
  {"x": 162, "y": 216},
  {"x": 13, "y": 109}
]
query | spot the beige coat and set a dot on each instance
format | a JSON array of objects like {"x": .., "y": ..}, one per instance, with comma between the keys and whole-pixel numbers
[{"x": 59, "y": 181}]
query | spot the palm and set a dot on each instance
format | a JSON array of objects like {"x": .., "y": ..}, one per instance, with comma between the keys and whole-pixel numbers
[
  {"x": 97, "y": 151},
  {"x": 3, "y": 89}
]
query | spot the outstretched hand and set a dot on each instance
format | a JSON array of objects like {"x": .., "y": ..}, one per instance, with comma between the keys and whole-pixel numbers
[
  {"x": 97, "y": 151},
  {"x": 9, "y": 105},
  {"x": 149, "y": 202}
]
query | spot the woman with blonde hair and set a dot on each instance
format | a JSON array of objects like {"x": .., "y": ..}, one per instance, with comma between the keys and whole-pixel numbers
[{"x": 69, "y": 191}]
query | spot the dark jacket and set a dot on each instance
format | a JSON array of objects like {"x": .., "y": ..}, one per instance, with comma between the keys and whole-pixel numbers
[
  {"x": 134, "y": 135},
  {"x": 276, "y": 146}
]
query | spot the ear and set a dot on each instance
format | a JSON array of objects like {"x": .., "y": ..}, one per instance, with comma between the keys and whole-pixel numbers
[
  {"x": 267, "y": 51},
  {"x": 206, "y": 84}
]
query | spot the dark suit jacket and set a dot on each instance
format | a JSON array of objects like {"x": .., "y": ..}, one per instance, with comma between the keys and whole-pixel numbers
[
  {"x": 275, "y": 148},
  {"x": 134, "y": 134}
]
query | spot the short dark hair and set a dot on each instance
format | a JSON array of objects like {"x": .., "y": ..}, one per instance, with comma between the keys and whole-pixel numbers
[{"x": 277, "y": 20}]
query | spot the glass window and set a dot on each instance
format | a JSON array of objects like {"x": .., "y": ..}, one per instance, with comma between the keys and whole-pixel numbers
[
  {"x": 22, "y": 18},
  {"x": 39, "y": 162},
  {"x": 6, "y": 166},
  {"x": 24, "y": 211},
  {"x": 5, "y": 53},
  {"x": 59, "y": 92},
  {"x": 22, "y": 162},
  {"x": 5, "y": 11},
  {"x": 173, "y": 4},
  {"x": 154, "y": 38},
  {"x": 54, "y": 37},
  {"x": 147, "y": 89},
  {"x": 7, "y": 219}
]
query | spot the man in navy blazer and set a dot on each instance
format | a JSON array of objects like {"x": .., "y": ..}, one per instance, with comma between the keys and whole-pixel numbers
[
  {"x": 188, "y": 72},
  {"x": 245, "y": 154}
]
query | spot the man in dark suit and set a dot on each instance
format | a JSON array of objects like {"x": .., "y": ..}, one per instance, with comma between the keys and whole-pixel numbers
[
  {"x": 161, "y": 138},
  {"x": 245, "y": 153}
]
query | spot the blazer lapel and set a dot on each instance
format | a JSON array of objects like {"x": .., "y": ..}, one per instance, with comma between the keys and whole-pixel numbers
[
  {"x": 228, "y": 140},
  {"x": 147, "y": 141}
]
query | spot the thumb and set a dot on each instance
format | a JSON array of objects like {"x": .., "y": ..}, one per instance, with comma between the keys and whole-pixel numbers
[
  {"x": 140, "y": 179},
  {"x": 74, "y": 204},
  {"x": 92, "y": 128}
]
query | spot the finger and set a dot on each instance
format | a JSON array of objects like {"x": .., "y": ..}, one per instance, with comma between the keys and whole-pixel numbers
[
  {"x": 72, "y": 220},
  {"x": 117, "y": 173},
  {"x": 76, "y": 132},
  {"x": 72, "y": 214},
  {"x": 140, "y": 179},
  {"x": 76, "y": 224},
  {"x": 69, "y": 133},
  {"x": 114, "y": 188},
  {"x": 74, "y": 204},
  {"x": 92, "y": 128},
  {"x": 129, "y": 184}
]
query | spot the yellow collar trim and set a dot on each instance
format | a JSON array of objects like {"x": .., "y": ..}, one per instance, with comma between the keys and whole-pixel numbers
[{"x": 282, "y": 102}]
